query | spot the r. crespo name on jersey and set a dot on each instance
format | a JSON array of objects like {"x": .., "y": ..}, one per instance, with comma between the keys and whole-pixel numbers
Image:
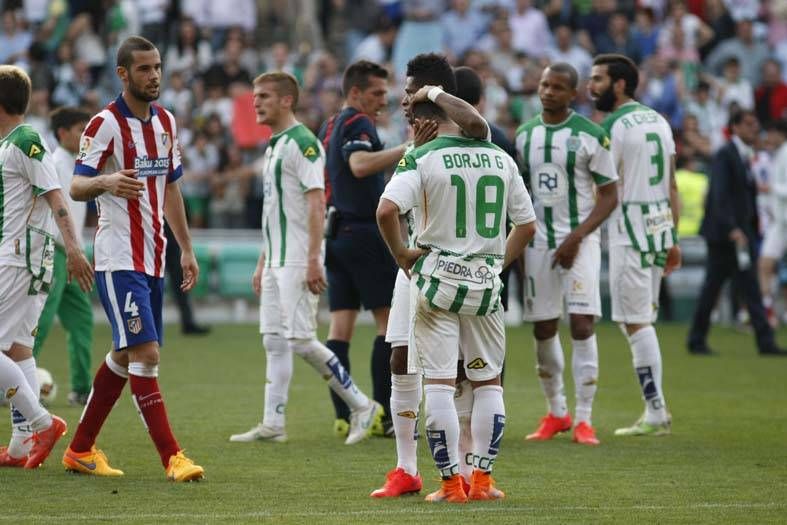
[{"x": 151, "y": 167}]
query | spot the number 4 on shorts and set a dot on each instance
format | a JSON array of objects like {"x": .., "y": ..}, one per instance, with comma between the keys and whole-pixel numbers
[{"x": 130, "y": 306}]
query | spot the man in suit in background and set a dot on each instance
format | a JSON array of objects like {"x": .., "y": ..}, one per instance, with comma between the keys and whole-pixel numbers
[{"x": 730, "y": 229}]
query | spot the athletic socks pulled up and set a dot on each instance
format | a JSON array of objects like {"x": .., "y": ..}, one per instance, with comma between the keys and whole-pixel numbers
[
  {"x": 550, "y": 364},
  {"x": 342, "y": 351},
  {"x": 405, "y": 402}
]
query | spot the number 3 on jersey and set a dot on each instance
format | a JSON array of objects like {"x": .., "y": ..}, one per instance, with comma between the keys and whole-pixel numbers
[
  {"x": 130, "y": 306},
  {"x": 483, "y": 206},
  {"x": 657, "y": 160}
]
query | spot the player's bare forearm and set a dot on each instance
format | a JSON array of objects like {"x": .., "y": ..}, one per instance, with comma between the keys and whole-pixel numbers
[
  {"x": 464, "y": 115},
  {"x": 175, "y": 213},
  {"x": 674, "y": 196},
  {"x": 606, "y": 201},
  {"x": 517, "y": 240},
  {"x": 87, "y": 188},
  {"x": 57, "y": 203},
  {"x": 315, "y": 200},
  {"x": 366, "y": 163},
  {"x": 388, "y": 222}
]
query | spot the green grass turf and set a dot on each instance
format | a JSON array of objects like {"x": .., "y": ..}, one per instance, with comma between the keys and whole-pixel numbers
[{"x": 725, "y": 462}]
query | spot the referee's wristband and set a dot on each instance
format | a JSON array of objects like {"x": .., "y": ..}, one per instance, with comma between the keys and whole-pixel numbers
[{"x": 433, "y": 93}]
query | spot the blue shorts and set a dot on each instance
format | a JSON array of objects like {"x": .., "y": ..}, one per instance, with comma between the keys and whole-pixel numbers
[
  {"x": 133, "y": 302},
  {"x": 359, "y": 267}
]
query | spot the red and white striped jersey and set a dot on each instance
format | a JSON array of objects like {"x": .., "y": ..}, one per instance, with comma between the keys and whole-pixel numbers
[{"x": 130, "y": 233}]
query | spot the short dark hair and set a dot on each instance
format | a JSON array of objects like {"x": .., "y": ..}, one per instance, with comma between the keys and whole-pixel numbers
[
  {"x": 357, "y": 75},
  {"x": 469, "y": 86},
  {"x": 65, "y": 117},
  {"x": 736, "y": 117},
  {"x": 125, "y": 56},
  {"x": 779, "y": 126},
  {"x": 432, "y": 69},
  {"x": 564, "y": 68},
  {"x": 620, "y": 67},
  {"x": 428, "y": 110},
  {"x": 15, "y": 89}
]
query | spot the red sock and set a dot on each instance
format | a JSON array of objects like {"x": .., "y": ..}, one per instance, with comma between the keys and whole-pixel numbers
[
  {"x": 107, "y": 386},
  {"x": 151, "y": 408}
]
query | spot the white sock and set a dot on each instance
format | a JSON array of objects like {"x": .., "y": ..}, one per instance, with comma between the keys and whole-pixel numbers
[
  {"x": 327, "y": 364},
  {"x": 584, "y": 366},
  {"x": 14, "y": 386},
  {"x": 20, "y": 443},
  {"x": 550, "y": 363},
  {"x": 488, "y": 422},
  {"x": 442, "y": 428},
  {"x": 278, "y": 373},
  {"x": 405, "y": 402},
  {"x": 646, "y": 356},
  {"x": 463, "y": 399}
]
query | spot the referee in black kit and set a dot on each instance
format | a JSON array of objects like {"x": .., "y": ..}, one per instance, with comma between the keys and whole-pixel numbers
[{"x": 359, "y": 267}]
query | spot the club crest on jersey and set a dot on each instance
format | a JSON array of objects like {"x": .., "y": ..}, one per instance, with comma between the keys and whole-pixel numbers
[
  {"x": 573, "y": 144},
  {"x": 134, "y": 325},
  {"x": 165, "y": 140}
]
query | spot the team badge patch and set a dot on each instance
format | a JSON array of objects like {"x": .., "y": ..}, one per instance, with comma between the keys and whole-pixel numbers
[
  {"x": 573, "y": 144},
  {"x": 476, "y": 364},
  {"x": 134, "y": 325},
  {"x": 165, "y": 140},
  {"x": 409, "y": 414}
]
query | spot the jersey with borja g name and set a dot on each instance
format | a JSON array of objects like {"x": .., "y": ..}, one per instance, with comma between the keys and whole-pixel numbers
[
  {"x": 293, "y": 164},
  {"x": 642, "y": 148},
  {"x": 464, "y": 190},
  {"x": 563, "y": 162},
  {"x": 26, "y": 222},
  {"x": 130, "y": 233}
]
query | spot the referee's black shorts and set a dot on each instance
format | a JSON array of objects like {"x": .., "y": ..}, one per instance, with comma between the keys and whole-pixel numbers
[{"x": 359, "y": 267}]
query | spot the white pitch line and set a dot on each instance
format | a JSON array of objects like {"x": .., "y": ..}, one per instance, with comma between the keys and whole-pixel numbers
[{"x": 409, "y": 510}]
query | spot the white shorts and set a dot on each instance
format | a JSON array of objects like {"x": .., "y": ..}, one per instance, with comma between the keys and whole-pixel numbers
[
  {"x": 435, "y": 338},
  {"x": 399, "y": 319},
  {"x": 634, "y": 290},
  {"x": 19, "y": 312},
  {"x": 773, "y": 246},
  {"x": 287, "y": 307},
  {"x": 546, "y": 288}
]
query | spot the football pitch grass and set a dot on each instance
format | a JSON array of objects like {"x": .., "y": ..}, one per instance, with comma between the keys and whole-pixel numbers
[{"x": 726, "y": 460}]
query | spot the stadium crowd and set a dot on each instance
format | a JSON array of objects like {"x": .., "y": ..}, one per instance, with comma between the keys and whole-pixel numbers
[{"x": 700, "y": 59}]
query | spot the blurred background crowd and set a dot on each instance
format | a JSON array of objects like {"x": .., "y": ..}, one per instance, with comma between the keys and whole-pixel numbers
[{"x": 700, "y": 59}]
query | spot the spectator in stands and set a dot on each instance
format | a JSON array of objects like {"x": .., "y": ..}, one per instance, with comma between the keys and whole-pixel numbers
[
  {"x": 710, "y": 117},
  {"x": 619, "y": 39},
  {"x": 730, "y": 229},
  {"x": 596, "y": 21},
  {"x": 228, "y": 69},
  {"x": 421, "y": 32},
  {"x": 662, "y": 90},
  {"x": 462, "y": 25},
  {"x": 190, "y": 55},
  {"x": 771, "y": 95},
  {"x": 645, "y": 32},
  {"x": 177, "y": 97},
  {"x": 153, "y": 20},
  {"x": 529, "y": 28},
  {"x": 201, "y": 161},
  {"x": 219, "y": 17},
  {"x": 696, "y": 32},
  {"x": 750, "y": 53},
  {"x": 377, "y": 46},
  {"x": 565, "y": 49},
  {"x": 693, "y": 138},
  {"x": 228, "y": 191},
  {"x": 14, "y": 40},
  {"x": 732, "y": 88}
]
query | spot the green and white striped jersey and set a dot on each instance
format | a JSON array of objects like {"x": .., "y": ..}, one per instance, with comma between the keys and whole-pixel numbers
[
  {"x": 27, "y": 225},
  {"x": 464, "y": 189},
  {"x": 642, "y": 148},
  {"x": 293, "y": 164},
  {"x": 563, "y": 162}
]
